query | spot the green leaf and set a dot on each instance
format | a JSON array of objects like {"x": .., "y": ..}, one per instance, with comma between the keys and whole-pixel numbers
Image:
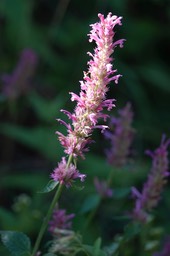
[
  {"x": 131, "y": 230},
  {"x": 96, "y": 248},
  {"x": 29, "y": 181},
  {"x": 157, "y": 76},
  {"x": 16, "y": 242},
  {"x": 100, "y": 166},
  {"x": 121, "y": 192},
  {"x": 90, "y": 203},
  {"x": 49, "y": 187},
  {"x": 139, "y": 94},
  {"x": 18, "y": 29},
  {"x": 47, "y": 110},
  {"x": 7, "y": 218},
  {"x": 112, "y": 249},
  {"x": 42, "y": 139}
]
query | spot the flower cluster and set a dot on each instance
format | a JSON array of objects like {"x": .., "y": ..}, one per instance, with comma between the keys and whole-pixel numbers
[
  {"x": 92, "y": 99},
  {"x": 152, "y": 189},
  {"x": 60, "y": 221},
  {"x": 120, "y": 135},
  {"x": 66, "y": 174},
  {"x": 68, "y": 244},
  {"x": 64, "y": 239},
  {"x": 19, "y": 81}
]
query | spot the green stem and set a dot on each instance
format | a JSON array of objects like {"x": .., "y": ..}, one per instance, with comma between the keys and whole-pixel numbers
[
  {"x": 46, "y": 220},
  {"x": 49, "y": 213},
  {"x": 69, "y": 161}
]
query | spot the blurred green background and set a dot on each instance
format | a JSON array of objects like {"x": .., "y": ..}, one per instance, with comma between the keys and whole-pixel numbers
[{"x": 56, "y": 31}]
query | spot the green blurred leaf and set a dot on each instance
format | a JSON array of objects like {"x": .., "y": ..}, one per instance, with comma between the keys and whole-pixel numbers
[
  {"x": 90, "y": 203},
  {"x": 49, "y": 187},
  {"x": 47, "y": 110},
  {"x": 112, "y": 248},
  {"x": 68, "y": 37},
  {"x": 7, "y": 218},
  {"x": 137, "y": 91},
  {"x": 17, "y": 14},
  {"x": 121, "y": 192},
  {"x": 42, "y": 139},
  {"x": 131, "y": 230},
  {"x": 16, "y": 242},
  {"x": 22, "y": 32},
  {"x": 125, "y": 177},
  {"x": 95, "y": 166},
  {"x": 157, "y": 76},
  {"x": 152, "y": 245},
  {"x": 23, "y": 181},
  {"x": 96, "y": 247}
]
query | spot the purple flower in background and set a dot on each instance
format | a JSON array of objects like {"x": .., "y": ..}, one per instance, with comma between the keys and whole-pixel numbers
[
  {"x": 120, "y": 136},
  {"x": 166, "y": 249},
  {"x": 150, "y": 195},
  {"x": 102, "y": 188},
  {"x": 66, "y": 174},
  {"x": 92, "y": 99},
  {"x": 19, "y": 81},
  {"x": 60, "y": 220}
]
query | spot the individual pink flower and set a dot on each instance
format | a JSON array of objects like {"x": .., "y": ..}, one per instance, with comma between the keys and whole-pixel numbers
[
  {"x": 60, "y": 220},
  {"x": 151, "y": 193},
  {"x": 19, "y": 81},
  {"x": 92, "y": 98},
  {"x": 120, "y": 136},
  {"x": 66, "y": 174}
]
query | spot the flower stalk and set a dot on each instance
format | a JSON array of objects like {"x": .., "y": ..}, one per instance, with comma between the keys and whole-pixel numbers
[
  {"x": 89, "y": 109},
  {"x": 92, "y": 98},
  {"x": 46, "y": 219}
]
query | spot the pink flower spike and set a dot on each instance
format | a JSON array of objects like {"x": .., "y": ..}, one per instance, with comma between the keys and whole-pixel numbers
[{"x": 92, "y": 100}]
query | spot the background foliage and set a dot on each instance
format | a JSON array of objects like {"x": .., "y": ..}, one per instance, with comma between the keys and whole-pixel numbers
[{"x": 57, "y": 32}]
